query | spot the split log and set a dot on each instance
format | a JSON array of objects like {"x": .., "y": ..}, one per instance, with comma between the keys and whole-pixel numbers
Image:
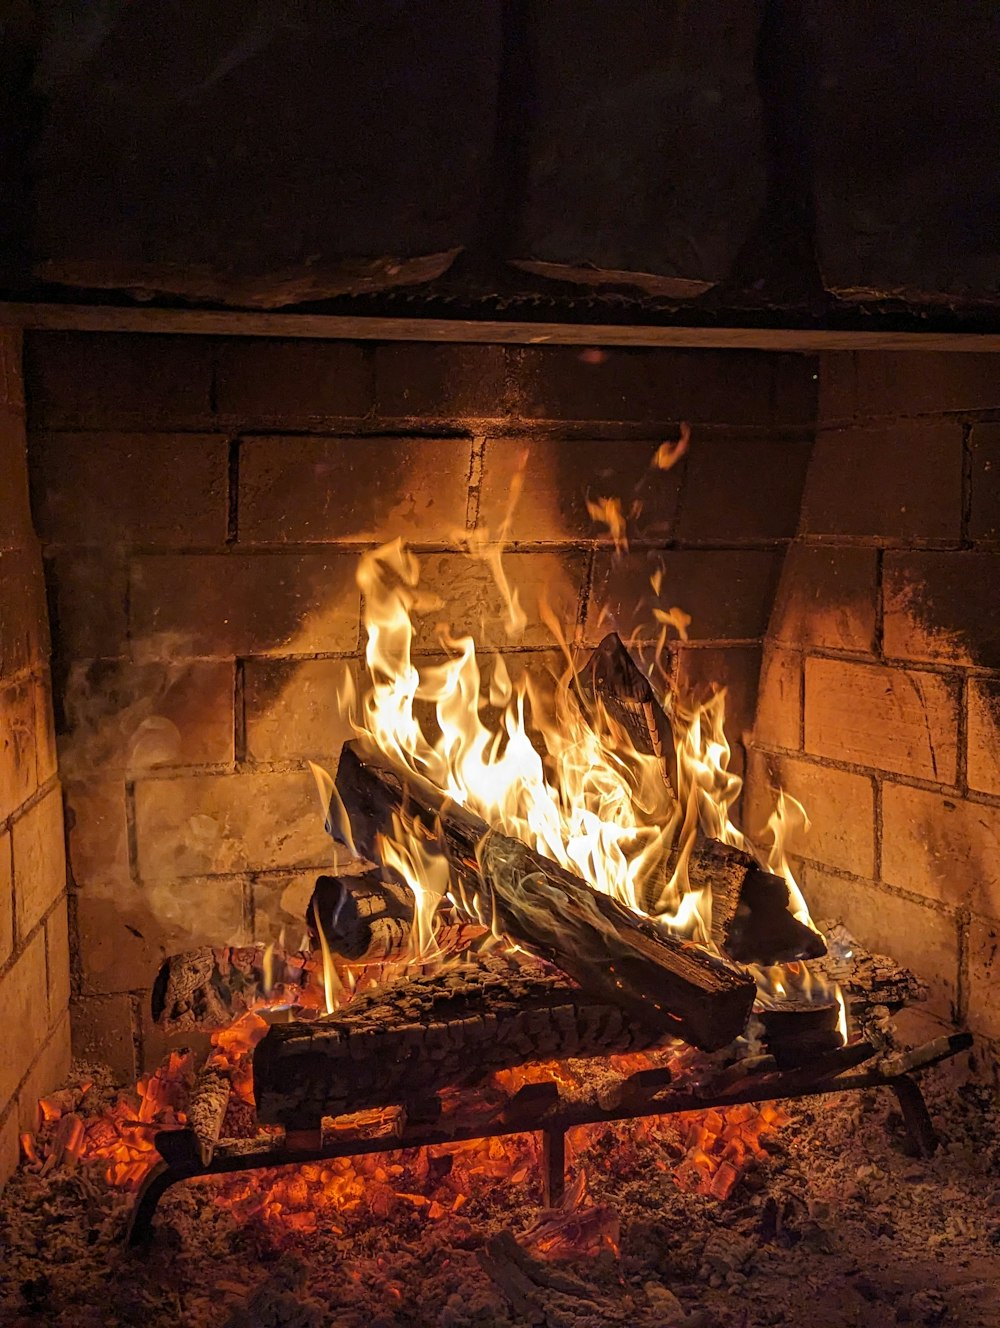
[
  {"x": 366, "y": 918},
  {"x": 612, "y": 677},
  {"x": 615, "y": 956},
  {"x": 797, "y": 1031},
  {"x": 415, "y": 1037}
]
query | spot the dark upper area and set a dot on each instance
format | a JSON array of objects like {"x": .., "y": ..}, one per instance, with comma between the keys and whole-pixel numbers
[{"x": 786, "y": 161}]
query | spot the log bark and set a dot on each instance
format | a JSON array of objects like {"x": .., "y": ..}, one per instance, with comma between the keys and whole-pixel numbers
[
  {"x": 415, "y": 1037},
  {"x": 614, "y": 955}
]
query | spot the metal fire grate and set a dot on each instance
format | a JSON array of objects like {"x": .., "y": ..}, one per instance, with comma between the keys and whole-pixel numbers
[{"x": 539, "y": 1108}]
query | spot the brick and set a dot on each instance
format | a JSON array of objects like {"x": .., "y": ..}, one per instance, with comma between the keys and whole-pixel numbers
[
  {"x": 826, "y": 598},
  {"x": 81, "y": 380},
  {"x": 778, "y": 721},
  {"x": 281, "y": 901},
  {"x": 6, "y": 899},
  {"x": 48, "y": 1072},
  {"x": 747, "y": 489},
  {"x": 124, "y": 936},
  {"x": 210, "y": 825},
  {"x": 840, "y": 806},
  {"x": 643, "y": 386},
  {"x": 97, "y": 832},
  {"x": 11, "y": 368},
  {"x": 16, "y": 530},
  {"x": 24, "y": 628},
  {"x": 292, "y": 710},
  {"x": 900, "y": 720},
  {"x": 727, "y": 592},
  {"x": 983, "y": 1014},
  {"x": 10, "y": 1146},
  {"x": 39, "y": 860},
  {"x": 342, "y": 490},
  {"x": 941, "y": 847},
  {"x": 145, "y": 488},
  {"x": 22, "y": 995},
  {"x": 439, "y": 382},
  {"x": 129, "y": 717},
  {"x": 984, "y": 734},
  {"x": 917, "y": 935},
  {"x": 46, "y": 756},
  {"x": 837, "y": 396},
  {"x": 462, "y": 593},
  {"x": 102, "y": 1031},
  {"x": 18, "y": 763},
  {"x": 560, "y": 476},
  {"x": 700, "y": 673},
  {"x": 942, "y": 607},
  {"x": 242, "y": 604},
  {"x": 984, "y": 514},
  {"x": 292, "y": 383},
  {"x": 87, "y": 600},
  {"x": 898, "y": 382},
  {"x": 900, "y": 482},
  {"x": 57, "y": 959}
]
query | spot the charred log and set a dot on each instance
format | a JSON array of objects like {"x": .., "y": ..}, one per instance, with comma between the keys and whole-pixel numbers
[
  {"x": 366, "y": 918},
  {"x": 615, "y": 956},
  {"x": 613, "y": 678},
  {"x": 411, "y": 1039}
]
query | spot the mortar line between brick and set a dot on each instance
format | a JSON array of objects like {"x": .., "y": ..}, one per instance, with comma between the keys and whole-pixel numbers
[
  {"x": 877, "y": 826},
  {"x": 878, "y": 642},
  {"x": 239, "y": 713},
  {"x": 131, "y": 831},
  {"x": 135, "y": 1003},
  {"x": 232, "y": 491},
  {"x": 477, "y": 457},
  {"x": 962, "y": 740},
  {"x": 966, "y": 517},
  {"x": 961, "y": 1010}
]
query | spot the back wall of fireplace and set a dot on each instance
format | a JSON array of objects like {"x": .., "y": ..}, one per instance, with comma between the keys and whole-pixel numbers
[{"x": 201, "y": 503}]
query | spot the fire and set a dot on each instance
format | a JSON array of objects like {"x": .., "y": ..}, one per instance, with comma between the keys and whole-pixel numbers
[{"x": 538, "y": 764}]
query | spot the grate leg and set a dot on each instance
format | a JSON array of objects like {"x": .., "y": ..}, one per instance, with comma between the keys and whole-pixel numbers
[
  {"x": 553, "y": 1167},
  {"x": 916, "y": 1117},
  {"x": 151, "y": 1191}
]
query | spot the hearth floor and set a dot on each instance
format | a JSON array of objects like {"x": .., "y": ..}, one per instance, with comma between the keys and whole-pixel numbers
[{"x": 838, "y": 1228}]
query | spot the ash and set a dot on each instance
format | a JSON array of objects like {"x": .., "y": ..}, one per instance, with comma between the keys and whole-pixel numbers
[{"x": 837, "y": 1226}]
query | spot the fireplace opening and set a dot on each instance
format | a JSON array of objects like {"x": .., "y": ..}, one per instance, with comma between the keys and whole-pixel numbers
[{"x": 510, "y": 825}]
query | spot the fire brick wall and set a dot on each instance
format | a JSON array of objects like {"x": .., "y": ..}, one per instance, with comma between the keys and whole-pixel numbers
[
  {"x": 202, "y": 504},
  {"x": 880, "y": 696},
  {"x": 34, "y": 950}
]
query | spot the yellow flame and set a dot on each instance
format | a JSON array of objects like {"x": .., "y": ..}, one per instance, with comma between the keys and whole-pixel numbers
[
  {"x": 668, "y": 454},
  {"x": 544, "y": 767}
]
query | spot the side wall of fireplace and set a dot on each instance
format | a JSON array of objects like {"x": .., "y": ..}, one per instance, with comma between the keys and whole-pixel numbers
[
  {"x": 880, "y": 694},
  {"x": 34, "y": 950},
  {"x": 202, "y": 504}
]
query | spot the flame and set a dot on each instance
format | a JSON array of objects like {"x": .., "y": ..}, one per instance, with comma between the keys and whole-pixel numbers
[
  {"x": 542, "y": 766},
  {"x": 668, "y": 454}
]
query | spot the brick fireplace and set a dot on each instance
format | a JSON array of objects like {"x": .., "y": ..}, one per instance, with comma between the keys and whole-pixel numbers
[{"x": 201, "y": 502}]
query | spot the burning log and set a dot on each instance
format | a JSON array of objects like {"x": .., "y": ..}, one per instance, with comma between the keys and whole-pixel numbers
[
  {"x": 412, "y": 1038},
  {"x": 614, "y": 955},
  {"x": 366, "y": 918},
  {"x": 612, "y": 677},
  {"x": 206, "y": 989}
]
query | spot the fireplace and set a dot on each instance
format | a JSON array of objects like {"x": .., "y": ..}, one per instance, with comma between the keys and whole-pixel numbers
[{"x": 185, "y": 575}]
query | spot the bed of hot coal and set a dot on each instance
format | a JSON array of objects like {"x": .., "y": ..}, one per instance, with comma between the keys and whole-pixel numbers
[{"x": 830, "y": 1222}]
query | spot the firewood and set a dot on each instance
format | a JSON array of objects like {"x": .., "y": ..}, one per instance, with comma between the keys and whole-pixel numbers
[
  {"x": 615, "y": 956},
  {"x": 366, "y": 918},
  {"x": 207, "y": 1110},
  {"x": 404, "y": 1043},
  {"x": 867, "y": 980},
  {"x": 612, "y": 677}
]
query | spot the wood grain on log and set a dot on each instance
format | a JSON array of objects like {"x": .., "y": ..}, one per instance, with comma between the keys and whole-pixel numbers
[
  {"x": 419, "y": 1035},
  {"x": 614, "y": 955},
  {"x": 366, "y": 918},
  {"x": 613, "y": 678}
]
